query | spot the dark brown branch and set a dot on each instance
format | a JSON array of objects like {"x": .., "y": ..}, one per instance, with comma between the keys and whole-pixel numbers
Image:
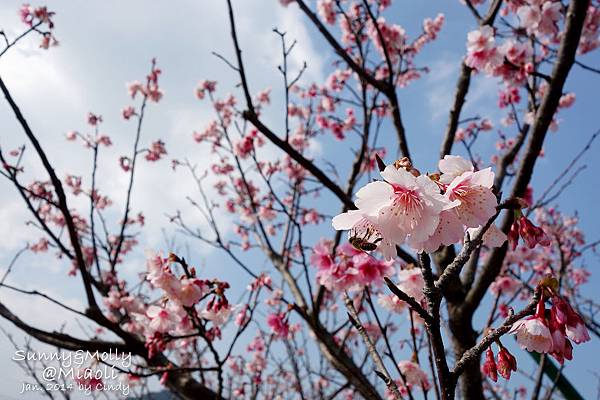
[
  {"x": 381, "y": 369},
  {"x": 340, "y": 360},
  {"x": 251, "y": 116},
  {"x": 433, "y": 297},
  {"x": 60, "y": 339},
  {"x": 462, "y": 88},
  {"x": 477, "y": 350},
  {"x": 45, "y": 296},
  {"x": 414, "y": 304},
  {"x": 62, "y": 200},
  {"x": 565, "y": 59},
  {"x": 364, "y": 75},
  {"x": 44, "y": 226},
  {"x": 389, "y": 90},
  {"x": 587, "y": 67},
  {"x": 463, "y": 83}
]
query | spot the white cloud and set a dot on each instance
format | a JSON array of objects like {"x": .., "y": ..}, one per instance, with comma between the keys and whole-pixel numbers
[
  {"x": 103, "y": 45},
  {"x": 440, "y": 85}
]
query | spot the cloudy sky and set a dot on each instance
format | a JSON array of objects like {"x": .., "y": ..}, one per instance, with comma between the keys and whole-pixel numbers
[{"x": 104, "y": 44}]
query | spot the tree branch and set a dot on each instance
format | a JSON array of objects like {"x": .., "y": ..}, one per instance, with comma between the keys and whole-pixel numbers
[
  {"x": 565, "y": 59},
  {"x": 251, "y": 116}
]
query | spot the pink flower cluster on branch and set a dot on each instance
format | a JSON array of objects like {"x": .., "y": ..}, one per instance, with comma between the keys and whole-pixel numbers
[
  {"x": 39, "y": 19},
  {"x": 552, "y": 333},
  {"x": 423, "y": 211},
  {"x": 270, "y": 200}
]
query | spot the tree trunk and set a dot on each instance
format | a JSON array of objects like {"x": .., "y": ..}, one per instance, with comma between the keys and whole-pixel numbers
[{"x": 463, "y": 338}]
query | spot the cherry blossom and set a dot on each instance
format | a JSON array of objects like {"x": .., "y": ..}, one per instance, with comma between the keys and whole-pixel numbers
[
  {"x": 482, "y": 53},
  {"x": 532, "y": 333},
  {"x": 278, "y": 324},
  {"x": 410, "y": 280},
  {"x": 414, "y": 375},
  {"x": 407, "y": 206},
  {"x": 564, "y": 315},
  {"x": 531, "y": 234},
  {"x": 161, "y": 320},
  {"x": 264, "y": 195},
  {"x": 472, "y": 190}
]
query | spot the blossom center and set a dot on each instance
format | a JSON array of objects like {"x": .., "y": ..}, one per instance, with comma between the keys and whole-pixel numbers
[{"x": 407, "y": 201}]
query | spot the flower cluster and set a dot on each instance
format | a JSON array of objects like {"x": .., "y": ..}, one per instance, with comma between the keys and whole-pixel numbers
[
  {"x": 423, "y": 211},
  {"x": 91, "y": 140},
  {"x": 413, "y": 377},
  {"x": 348, "y": 268},
  {"x": 534, "y": 35},
  {"x": 279, "y": 324},
  {"x": 552, "y": 332},
  {"x": 531, "y": 234},
  {"x": 40, "y": 20},
  {"x": 505, "y": 364},
  {"x": 150, "y": 90},
  {"x": 391, "y": 40},
  {"x": 180, "y": 311}
]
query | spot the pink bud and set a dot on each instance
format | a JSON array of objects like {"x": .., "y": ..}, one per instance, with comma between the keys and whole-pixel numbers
[
  {"x": 489, "y": 366},
  {"x": 506, "y": 363}
]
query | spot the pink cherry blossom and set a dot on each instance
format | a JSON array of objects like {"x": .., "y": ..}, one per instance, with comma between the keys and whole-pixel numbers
[
  {"x": 482, "y": 53},
  {"x": 321, "y": 257},
  {"x": 218, "y": 317},
  {"x": 205, "y": 87},
  {"x": 161, "y": 320},
  {"x": 477, "y": 202},
  {"x": 567, "y": 100},
  {"x": 71, "y": 135},
  {"x": 326, "y": 10},
  {"x": 564, "y": 315},
  {"x": 407, "y": 206},
  {"x": 342, "y": 274},
  {"x": 26, "y": 14},
  {"x": 278, "y": 324},
  {"x": 135, "y": 87},
  {"x": 40, "y": 247},
  {"x": 414, "y": 375},
  {"x": 365, "y": 229},
  {"x": 391, "y": 302},
  {"x": 128, "y": 112},
  {"x": 156, "y": 151},
  {"x": 448, "y": 231},
  {"x": 531, "y": 234},
  {"x": 411, "y": 282},
  {"x": 191, "y": 291},
  {"x": 505, "y": 285},
  {"x": 371, "y": 270},
  {"x": 94, "y": 119},
  {"x": 533, "y": 333},
  {"x": 452, "y": 167}
]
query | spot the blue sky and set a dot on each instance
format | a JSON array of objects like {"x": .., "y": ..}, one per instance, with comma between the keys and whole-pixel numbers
[{"x": 107, "y": 43}]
